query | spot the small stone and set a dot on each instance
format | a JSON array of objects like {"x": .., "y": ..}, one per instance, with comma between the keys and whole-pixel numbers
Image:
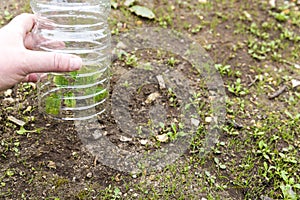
[
  {"x": 202, "y": 1},
  {"x": 121, "y": 45},
  {"x": 265, "y": 198},
  {"x": 195, "y": 122},
  {"x": 161, "y": 82},
  {"x": 272, "y": 3},
  {"x": 89, "y": 175},
  {"x": 8, "y": 92},
  {"x": 152, "y": 97},
  {"x": 144, "y": 142},
  {"x": 135, "y": 195},
  {"x": 128, "y": 3},
  {"x": 125, "y": 139},
  {"x": 162, "y": 138},
  {"x": 9, "y": 100},
  {"x": 208, "y": 119},
  {"x": 97, "y": 134},
  {"x": 295, "y": 83},
  {"x": 139, "y": 22}
]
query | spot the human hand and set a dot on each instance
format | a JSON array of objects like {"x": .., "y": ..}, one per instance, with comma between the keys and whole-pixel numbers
[{"x": 18, "y": 62}]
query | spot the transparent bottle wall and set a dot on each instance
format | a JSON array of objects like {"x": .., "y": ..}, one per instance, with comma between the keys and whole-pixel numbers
[{"x": 79, "y": 28}]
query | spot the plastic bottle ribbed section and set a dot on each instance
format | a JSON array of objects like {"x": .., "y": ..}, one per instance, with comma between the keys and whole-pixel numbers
[{"x": 79, "y": 28}]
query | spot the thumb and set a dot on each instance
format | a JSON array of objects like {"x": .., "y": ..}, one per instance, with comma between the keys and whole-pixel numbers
[{"x": 39, "y": 61}]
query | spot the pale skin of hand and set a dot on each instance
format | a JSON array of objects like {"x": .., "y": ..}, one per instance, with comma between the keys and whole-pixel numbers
[{"x": 19, "y": 63}]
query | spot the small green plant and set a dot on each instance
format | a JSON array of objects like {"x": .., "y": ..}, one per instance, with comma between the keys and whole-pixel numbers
[
  {"x": 281, "y": 17},
  {"x": 165, "y": 21},
  {"x": 131, "y": 60},
  {"x": 237, "y": 88},
  {"x": 196, "y": 29},
  {"x": 172, "y": 98},
  {"x": 53, "y": 104},
  {"x": 112, "y": 193},
  {"x": 55, "y": 101},
  {"x": 172, "y": 61},
  {"x": 173, "y": 131},
  {"x": 224, "y": 69}
]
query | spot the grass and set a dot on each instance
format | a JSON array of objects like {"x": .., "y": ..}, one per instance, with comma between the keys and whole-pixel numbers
[{"x": 257, "y": 156}]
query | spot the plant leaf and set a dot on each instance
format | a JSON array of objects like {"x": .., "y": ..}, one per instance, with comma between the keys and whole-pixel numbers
[{"x": 142, "y": 11}]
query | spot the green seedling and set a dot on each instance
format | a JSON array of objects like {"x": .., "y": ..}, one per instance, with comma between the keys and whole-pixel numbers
[
  {"x": 172, "y": 61},
  {"x": 70, "y": 101},
  {"x": 224, "y": 69},
  {"x": 237, "y": 88},
  {"x": 102, "y": 95},
  {"x": 53, "y": 104},
  {"x": 54, "y": 101},
  {"x": 131, "y": 60},
  {"x": 23, "y": 131}
]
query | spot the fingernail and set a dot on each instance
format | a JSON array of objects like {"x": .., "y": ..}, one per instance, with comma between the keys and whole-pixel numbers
[{"x": 75, "y": 63}]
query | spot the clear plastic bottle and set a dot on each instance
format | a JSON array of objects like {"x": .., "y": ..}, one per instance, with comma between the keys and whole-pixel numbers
[{"x": 78, "y": 27}]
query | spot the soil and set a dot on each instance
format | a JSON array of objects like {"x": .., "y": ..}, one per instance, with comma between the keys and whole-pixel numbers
[{"x": 51, "y": 160}]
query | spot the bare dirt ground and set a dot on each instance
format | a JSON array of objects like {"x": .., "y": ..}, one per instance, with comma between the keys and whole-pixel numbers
[{"x": 255, "y": 46}]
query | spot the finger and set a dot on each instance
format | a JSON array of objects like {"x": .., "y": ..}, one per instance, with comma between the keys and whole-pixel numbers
[
  {"x": 35, "y": 77},
  {"x": 38, "y": 61},
  {"x": 31, "y": 78},
  {"x": 35, "y": 42},
  {"x": 25, "y": 21}
]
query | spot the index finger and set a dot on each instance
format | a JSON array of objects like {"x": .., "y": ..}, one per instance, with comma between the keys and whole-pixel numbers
[{"x": 25, "y": 21}]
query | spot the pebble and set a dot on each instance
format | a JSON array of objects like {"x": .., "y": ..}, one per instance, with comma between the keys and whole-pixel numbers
[
  {"x": 202, "y": 1},
  {"x": 162, "y": 138},
  {"x": 135, "y": 195},
  {"x": 121, "y": 45},
  {"x": 139, "y": 22},
  {"x": 89, "y": 175},
  {"x": 208, "y": 119},
  {"x": 195, "y": 122},
  {"x": 152, "y": 97},
  {"x": 295, "y": 83},
  {"x": 9, "y": 100},
  {"x": 272, "y": 3},
  {"x": 8, "y": 92},
  {"x": 125, "y": 139},
  {"x": 144, "y": 142}
]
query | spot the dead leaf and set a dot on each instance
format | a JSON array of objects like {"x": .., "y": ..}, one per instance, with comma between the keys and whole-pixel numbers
[
  {"x": 51, "y": 165},
  {"x": 142, "y": 11},
  {"x": 16, "y": 121}
]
